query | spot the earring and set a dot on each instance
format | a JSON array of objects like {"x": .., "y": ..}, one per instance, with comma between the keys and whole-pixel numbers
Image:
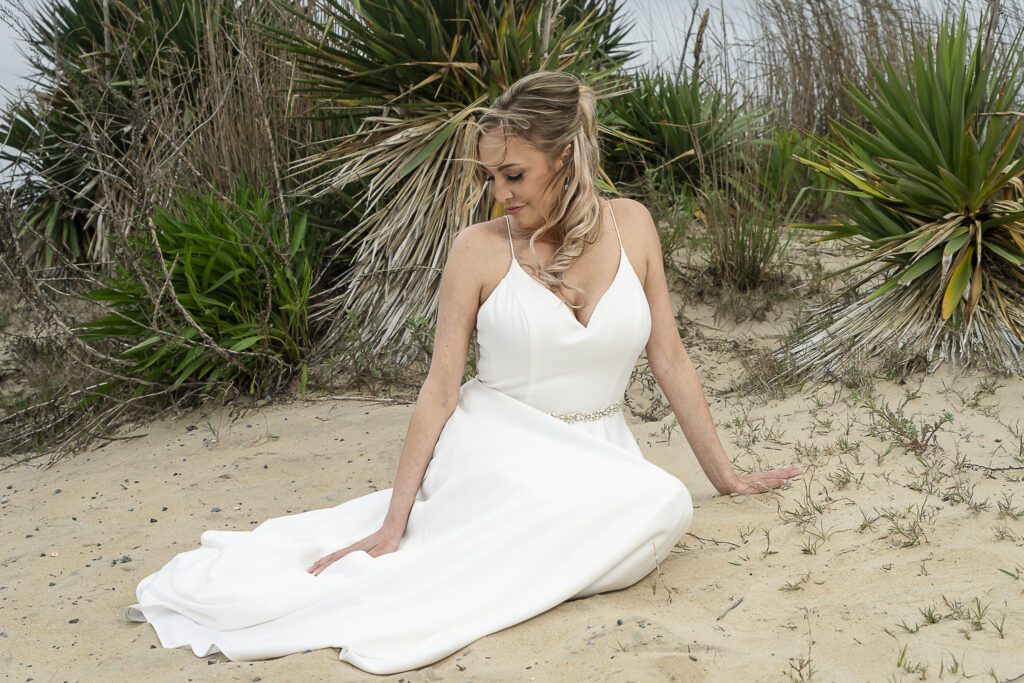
[{"x": 565, "y": 185}]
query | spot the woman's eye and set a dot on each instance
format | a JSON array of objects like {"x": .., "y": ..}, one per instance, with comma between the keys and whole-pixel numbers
[{"x": 510, "y": 178}]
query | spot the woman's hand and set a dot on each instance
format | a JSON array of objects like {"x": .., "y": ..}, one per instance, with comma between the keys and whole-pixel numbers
[
  {"x": 759, "y": 482},
  {"x": 384, "y": 540}
]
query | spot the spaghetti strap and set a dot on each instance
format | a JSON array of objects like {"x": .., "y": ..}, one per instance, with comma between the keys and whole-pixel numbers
[
  {"x": 614, "y": 222},
  {"x": 508, "y": 225}
]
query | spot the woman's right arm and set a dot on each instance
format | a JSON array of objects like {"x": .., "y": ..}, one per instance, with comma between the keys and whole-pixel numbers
[{"x": 469, "y": 265}]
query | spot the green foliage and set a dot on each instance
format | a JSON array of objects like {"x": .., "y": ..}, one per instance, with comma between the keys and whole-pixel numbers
[
  {"x": 90, "y": 76},
  {"x": 795, "y": 186},
  {"x": 224, "y": 301},
  {"x": 683, "y": 124},
  {"x": 936, "y": 199},
  {"x": 744, "y": 230}
]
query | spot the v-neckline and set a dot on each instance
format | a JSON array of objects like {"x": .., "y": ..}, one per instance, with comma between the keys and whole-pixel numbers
[{"x": 561, "y": 301}]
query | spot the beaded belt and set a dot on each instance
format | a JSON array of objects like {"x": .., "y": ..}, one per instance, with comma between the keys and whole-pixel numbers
[{"x": 588, "y": 415}]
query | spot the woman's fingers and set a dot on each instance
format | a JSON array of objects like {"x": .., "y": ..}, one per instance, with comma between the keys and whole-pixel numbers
[
  {"x": 372, "y": 549},
  {"x": 761, "y": 482},
  {"x": 785, "y": 472},
  {"x": 327, "y": 560},
  {"x": 375, "y": 545}
]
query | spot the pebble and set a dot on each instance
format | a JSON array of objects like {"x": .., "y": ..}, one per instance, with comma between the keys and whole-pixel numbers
[
  {"x": 618, "y": 622},
  {"x": 214, "y": 509},
  {"x": 152, "y": 520},
  {"x": 73, "y": 621}
]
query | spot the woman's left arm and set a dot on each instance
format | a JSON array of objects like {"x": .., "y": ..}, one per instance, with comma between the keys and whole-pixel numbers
[{"x": 675, "y": 373}]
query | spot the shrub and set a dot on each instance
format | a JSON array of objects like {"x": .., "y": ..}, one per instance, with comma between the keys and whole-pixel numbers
[
  {"x": 935, "y": 193},
  {"x": 224, "y": 300}
]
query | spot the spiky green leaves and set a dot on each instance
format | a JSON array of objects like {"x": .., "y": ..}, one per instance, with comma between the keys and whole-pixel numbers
[
  {"x": 235, "y": 279},
  {"x": 935, "y": 180}
]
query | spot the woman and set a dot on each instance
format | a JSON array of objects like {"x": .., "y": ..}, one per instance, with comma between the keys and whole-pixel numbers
[{"x": 516, "y": 491}]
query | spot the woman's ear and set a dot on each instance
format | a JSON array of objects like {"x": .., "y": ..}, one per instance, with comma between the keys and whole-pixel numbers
[{"x": 565, "y": 156}]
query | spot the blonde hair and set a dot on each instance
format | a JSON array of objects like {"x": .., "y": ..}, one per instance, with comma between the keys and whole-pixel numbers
[{"x": 552, "y": 110}]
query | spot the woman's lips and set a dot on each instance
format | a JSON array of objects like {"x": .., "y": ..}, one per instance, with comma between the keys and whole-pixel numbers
[{"x": 512, "y": 209}]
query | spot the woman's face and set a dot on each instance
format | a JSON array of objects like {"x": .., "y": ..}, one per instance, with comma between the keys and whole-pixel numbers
[{"x": 521, "y": 177}]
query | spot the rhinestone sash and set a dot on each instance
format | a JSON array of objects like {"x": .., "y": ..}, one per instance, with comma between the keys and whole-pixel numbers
[{"x": 589, "y": 415}]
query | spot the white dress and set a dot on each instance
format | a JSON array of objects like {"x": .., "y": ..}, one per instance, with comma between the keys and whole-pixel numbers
[{"x": 522, "y": 507}]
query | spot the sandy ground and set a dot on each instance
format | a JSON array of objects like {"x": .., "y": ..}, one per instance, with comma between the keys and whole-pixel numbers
[{"x": 836, "y": 578}]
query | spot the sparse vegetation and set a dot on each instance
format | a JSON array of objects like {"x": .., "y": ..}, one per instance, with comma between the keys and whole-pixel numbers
[{"x": 910, "y": 467}]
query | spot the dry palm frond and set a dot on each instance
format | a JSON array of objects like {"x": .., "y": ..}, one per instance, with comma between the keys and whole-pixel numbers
[{"x": 415, "y": 71}]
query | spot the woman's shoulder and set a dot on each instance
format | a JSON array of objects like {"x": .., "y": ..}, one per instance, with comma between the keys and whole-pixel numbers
[
  {"x": 635, "y": 222},
  {"x": 481, "y": 238},
  {"x": 484, "y": 231},
  {"x": 480, "y": 248},
  {"x": 628, "y": 208}
]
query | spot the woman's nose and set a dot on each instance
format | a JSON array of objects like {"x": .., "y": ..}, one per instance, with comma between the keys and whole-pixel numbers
[{"x": 501, "y": 192}]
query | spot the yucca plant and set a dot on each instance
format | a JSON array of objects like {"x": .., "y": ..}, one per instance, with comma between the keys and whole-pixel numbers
[
  {"x": 936, "y": 200},
  {"x": 415, "y": 70},
  {"x": 681, "y": 118},
  {"x": 797, "y": 188},
  {"x": 682, "y": 122},
  {"x": 52, "y": 141},
  {"x": 226, "y": 303},
  {"x": 124, "y": 89}
]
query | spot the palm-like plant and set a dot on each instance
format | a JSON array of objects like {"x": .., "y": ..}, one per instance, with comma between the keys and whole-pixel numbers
[
  {"x": 683, "y": 122},
  {"x": 90, "y": 61},
  {"x": 416, "y": 70},
  {"x": 123, "y": 90},
  {"x": 231, "y": 306},
  {"x": 936, "y": 200}
]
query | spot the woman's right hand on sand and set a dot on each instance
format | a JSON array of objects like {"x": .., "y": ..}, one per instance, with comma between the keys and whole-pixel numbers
[
  {"x": 760, "y": 482},
  {"x": 384, "y": 540}
]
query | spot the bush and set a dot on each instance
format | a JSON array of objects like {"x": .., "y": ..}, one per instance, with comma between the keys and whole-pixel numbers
[
  {"x": 683, "y": 124},
  {"x": 224, "y": 301},
  {"x": 936, "y": 203}
]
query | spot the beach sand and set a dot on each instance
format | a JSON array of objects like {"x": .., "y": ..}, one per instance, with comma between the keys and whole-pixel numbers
[{"x": 828, "y": 579}]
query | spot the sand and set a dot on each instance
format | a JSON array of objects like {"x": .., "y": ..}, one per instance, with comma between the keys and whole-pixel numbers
[{"x": 829, "y": 579}]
